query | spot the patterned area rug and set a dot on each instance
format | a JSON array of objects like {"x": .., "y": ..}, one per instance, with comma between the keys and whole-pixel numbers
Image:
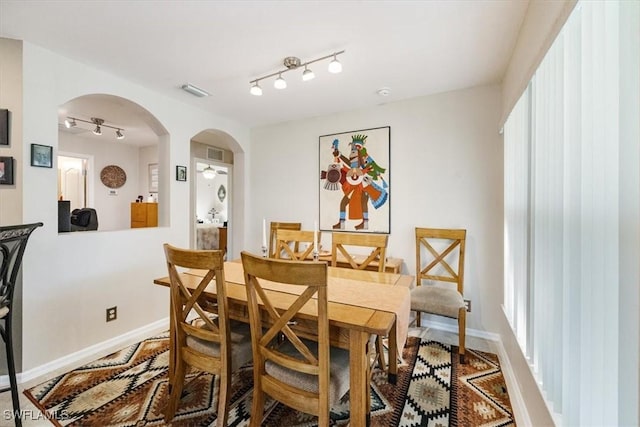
[{"x": 129, "y": 388}]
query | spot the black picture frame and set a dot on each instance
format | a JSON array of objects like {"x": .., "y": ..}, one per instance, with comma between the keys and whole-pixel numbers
[
  {"x": 41, "y": 156},
  {"x": 181, "y": 173},
  {"x": 6, "y": 170},
  {"x": 4, "y": 126}
]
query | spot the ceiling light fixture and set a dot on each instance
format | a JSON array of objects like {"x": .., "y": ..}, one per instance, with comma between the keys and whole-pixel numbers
[
  {"x": 195, "y": 90},
  {"x": 208, "y": 172},
  {"x": 71, "y": 122},
  {"x": 292, "y": 63}
]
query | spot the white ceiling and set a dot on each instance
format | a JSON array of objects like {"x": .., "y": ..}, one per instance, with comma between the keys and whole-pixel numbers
[{"x": 415, "y": 48}]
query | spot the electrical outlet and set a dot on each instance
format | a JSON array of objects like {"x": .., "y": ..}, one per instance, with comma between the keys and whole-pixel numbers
[
  {"x": 467, "y": 304},
  {"x": 112, "y": 313}
]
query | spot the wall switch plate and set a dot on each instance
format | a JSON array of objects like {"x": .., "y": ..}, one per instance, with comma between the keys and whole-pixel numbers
[{"x": 112, "y": 313}]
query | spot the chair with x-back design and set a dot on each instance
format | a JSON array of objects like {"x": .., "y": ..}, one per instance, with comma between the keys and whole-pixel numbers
[
  {"x": 288, "y": 240},
  {"x": 305, "y": 375},
  {"x": 273, "y": 227},
  {"x": 440, "y": 259},
  {"x": 211, "y": 343},
  {"x": 342, "y": 243}
]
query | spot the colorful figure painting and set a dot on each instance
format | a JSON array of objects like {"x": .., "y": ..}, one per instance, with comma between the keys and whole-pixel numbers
[{"x": 354, "y": 181}]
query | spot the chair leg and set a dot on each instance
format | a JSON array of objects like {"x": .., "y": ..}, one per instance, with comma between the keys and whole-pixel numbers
[
  {"x": 418, "y": 323},
  {"x": 176, "y": 392},
  {"x": 224, "y": 382},
  {"x": 380, "y": 350},
  {"x": 13, "y": 383},
  {"x": 257, "y": 406},
  {"x": 462, "y": 324}
]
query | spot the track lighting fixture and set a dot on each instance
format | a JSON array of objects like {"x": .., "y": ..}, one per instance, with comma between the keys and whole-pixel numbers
[
  {"x": 291, "y": 63},
  {"x": 99, "y": 123}
]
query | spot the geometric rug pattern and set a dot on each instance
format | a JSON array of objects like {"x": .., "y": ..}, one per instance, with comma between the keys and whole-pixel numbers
[{"x": 129, "y": 388}]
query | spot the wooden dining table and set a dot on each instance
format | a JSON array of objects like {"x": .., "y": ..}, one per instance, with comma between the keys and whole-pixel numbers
[{"x": 361, "y": 304}]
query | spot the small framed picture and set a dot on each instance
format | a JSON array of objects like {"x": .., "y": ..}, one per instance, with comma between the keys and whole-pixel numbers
[
  {"x": 181, "y": 173},
  {"x": 4, "y": 126},
  {"x": 6, "y": 170},
  {"x": 41, "y": 156}
]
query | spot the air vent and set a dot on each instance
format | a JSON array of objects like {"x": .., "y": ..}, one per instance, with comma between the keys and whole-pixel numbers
[{"x": 215, "y": 154}]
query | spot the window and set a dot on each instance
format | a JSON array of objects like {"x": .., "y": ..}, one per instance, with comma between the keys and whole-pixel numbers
[{"x": 564, "y": 293}]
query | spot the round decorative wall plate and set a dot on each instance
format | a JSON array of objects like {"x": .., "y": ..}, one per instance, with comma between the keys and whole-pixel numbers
[{"x": 113, "y": 176}]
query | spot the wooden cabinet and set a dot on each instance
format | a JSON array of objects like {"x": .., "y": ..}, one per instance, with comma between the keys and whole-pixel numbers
[{"x": 144, "y": 215}]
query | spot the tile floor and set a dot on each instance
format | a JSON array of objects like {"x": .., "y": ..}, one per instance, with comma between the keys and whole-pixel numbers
[{"x": 34, "y": 418}]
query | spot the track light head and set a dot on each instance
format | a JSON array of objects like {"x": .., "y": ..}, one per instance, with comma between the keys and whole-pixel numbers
[
  {"x": 335, "y": 66},
  {"x": 119, "y": 134},
  {"x": 280, "y": 83},
  {"x": 307, "y": 74},
  {"x": 256, "y": 90},
  {"x": 70, "y": 122}
]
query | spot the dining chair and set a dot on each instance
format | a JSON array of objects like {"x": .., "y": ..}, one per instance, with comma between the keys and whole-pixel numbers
[
  {"x": 305, "y": 375},
  {"x": 272, "y": 234},
  {"x": 440, "y": 260},
  {"x": 210, "y": 343},
  {"x": 342, "y": 243},
  {"x": 289, "y": 244},
  {"x": 13, "y": 242}
]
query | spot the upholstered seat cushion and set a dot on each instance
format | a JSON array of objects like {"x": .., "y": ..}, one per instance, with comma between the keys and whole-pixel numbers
[
  {"x": 338, "y": 371},
  {"x": 240, "y": 344},
  {"x": 436, "y": 300}
]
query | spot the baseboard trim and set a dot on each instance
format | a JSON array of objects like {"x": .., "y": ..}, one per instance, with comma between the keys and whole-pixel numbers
[
  {"x": 490, "y": 336},
  {"x": 86, "y": 355}
]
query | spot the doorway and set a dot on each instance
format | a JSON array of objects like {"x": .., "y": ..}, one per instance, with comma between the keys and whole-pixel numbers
[{"x": 213, "y": 191}]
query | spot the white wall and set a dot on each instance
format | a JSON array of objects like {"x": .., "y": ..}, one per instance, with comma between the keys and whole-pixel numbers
[
  {"x": 70, "y": 279},
  {"x": 446, "y": 171},
  {"x": 11, "y": 99}
]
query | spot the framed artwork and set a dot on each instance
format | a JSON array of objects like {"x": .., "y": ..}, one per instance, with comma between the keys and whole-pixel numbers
[
  {"x": 181, "y": 173},
  {"x": 4, "y": 126},
  {"x": 153, "y": 177},
  {"x": 354, "y": 183},
  {"x": 41, "y": 156},
  {"x": 222, "y": 193},
  {"x": 6, "y": 170}
]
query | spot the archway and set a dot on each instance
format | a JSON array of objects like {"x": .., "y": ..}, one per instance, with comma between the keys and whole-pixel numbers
[{"x": 123, "y": 162}]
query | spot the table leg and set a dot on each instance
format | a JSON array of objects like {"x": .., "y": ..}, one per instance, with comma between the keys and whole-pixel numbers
[
  {"x": 393, "y": 355},
  {"x": 359, "y": 379}
]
